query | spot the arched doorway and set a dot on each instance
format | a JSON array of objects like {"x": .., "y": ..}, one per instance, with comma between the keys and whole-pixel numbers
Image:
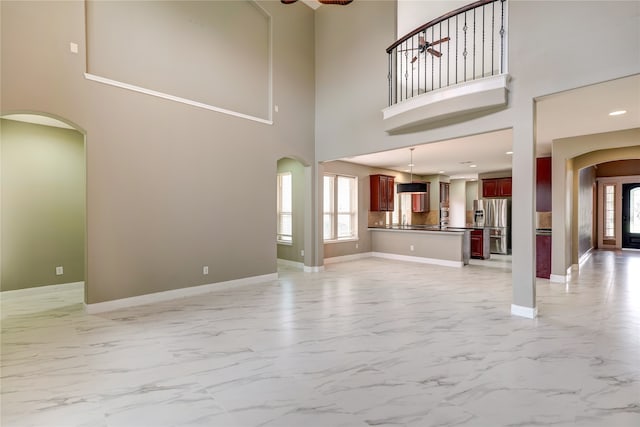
[
  {"x": 43, "y": 232},
  {"x": 290, "y": 211}
]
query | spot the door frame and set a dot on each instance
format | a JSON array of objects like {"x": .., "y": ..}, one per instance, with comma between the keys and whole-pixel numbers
[
  {"x": 636, "y": 186},
  {"x": 617, "y": 181}
]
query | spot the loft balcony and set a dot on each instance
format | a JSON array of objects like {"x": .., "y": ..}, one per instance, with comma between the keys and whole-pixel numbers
[{"x": 451, "y": 66}]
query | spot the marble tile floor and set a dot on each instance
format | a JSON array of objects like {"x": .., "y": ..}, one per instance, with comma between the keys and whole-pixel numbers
[{"x": 366, "y": 343}]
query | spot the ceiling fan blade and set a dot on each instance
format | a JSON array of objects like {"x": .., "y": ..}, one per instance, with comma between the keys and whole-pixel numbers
[
  {"x": 288, "y": 1},
  {"x": 434, "y": 53},
  {"x": 340, "y": 2},
  {"x": 414, "y": 59},
  {"x": 446, "y": 39}
]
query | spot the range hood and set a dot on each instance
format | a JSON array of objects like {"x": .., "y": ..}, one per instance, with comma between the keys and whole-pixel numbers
[{"x": 412, "y": 187}]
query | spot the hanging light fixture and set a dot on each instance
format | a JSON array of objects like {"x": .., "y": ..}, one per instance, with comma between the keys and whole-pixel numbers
[{"x": 412, "y": 187}]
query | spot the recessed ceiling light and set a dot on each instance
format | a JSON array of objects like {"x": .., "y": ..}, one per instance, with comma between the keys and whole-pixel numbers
[
  {"x": 509, "y": 152},
  {"x": 411, "y": 165},
  {"x": 440, "y": 171},
  {"x": 473, "y": 166},
  {"x": 618, "y": 112}
]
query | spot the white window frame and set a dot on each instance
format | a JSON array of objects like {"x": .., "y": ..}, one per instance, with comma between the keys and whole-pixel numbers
[
  {"x": 284, "y": 239},
  {"x": 332, "y": 207}
]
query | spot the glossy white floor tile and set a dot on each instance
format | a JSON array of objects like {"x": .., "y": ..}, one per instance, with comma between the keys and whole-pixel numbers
[{"x": 369, "y": 342}]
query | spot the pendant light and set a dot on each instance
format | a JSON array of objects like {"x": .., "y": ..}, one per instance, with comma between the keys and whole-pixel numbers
[{"x": 412, "y": 187}]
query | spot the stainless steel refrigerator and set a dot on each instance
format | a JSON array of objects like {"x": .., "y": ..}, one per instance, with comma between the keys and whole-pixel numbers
[{"x": 495, "y": 214}]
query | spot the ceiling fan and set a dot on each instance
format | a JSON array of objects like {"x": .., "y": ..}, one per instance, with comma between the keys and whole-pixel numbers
[
  {"x": 425, "y": 46},
  {"x": 340, "y": 2}
]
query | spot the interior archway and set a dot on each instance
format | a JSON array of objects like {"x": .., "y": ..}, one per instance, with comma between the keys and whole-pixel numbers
[{"x": 43, "y": 232}]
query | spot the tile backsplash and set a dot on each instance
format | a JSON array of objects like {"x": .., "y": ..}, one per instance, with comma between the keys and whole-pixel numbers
[{"x": 543, "y": 219}]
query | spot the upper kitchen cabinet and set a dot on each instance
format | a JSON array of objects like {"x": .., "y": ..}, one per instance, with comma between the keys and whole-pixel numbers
[
  {"x": 420, "y": 202},
  {"x": 496, "y": 187},
  {"x": 382, "y": 193}
]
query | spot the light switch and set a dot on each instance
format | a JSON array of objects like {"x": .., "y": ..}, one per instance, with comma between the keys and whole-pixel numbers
[{"x": 73, "y": 47}]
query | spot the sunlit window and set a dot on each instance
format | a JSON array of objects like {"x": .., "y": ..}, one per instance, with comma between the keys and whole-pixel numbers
[
  {"x": 285, "y": 202},
  {"x": 609, "y": 212},
  {"x": 340, "y": 207}
]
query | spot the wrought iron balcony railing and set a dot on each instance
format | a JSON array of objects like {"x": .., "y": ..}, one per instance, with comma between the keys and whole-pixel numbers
[{"x": 465, "y": 44}]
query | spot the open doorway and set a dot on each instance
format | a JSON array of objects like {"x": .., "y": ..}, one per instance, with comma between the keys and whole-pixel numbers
[
  {"x": 631, "y": 215},
  {"x": 43, "y": 205},
  {"x": 290, "y": 208}
]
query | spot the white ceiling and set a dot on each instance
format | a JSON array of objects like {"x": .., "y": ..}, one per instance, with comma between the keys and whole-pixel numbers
[
  {"x": 452, "y": 157},
  {"x": 580, "y": 111},
  {"x": 585, "y": 111}
]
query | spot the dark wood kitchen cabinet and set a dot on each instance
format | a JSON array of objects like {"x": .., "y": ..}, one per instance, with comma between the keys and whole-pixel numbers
[
  {"x": 497, "y": 187},
  {"x": 543, "y": 256},
  {"x": 421, "y": 202},
  {"x": 476, "y": 244},
  {"x": 382, "y": 193},
  {"x": 480, "y": 243}
]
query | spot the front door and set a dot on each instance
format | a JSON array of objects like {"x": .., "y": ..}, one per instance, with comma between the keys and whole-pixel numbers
[{"x": 631, "y": 215}]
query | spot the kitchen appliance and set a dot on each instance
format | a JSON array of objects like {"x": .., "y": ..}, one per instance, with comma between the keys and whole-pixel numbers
[
  {"x": 444, "y": 214},
  {"x": 496, "y": 216}
]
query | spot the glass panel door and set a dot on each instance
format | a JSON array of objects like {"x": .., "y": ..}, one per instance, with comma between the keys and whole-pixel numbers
[{"x": 631, "y": 215}]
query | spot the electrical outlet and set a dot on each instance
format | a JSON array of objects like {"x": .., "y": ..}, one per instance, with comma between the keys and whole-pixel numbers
[
  {"x": 205, "y": 270},
  {"x": 59, "y": 271},
  {"x": 73, "y": 47},
  {"x": 357, "y": 246},
  {"x": 411, "y": 248},
  {"x": 302, "y": 252}
]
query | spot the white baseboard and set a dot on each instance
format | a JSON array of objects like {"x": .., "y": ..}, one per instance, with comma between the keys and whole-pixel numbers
[
  {"x": 631, "y": 249},
  {"x": 345, "y": 258},
  {"x": 559, "y": 278},
  {"x": 172, "y": 294},
  {"x": 314, "y": 269},
  {"x": 41, "y": 289},
  {"x": 528, "y": 312},
  {"x": 585, "y": 256},
  {"x": 418, "y": 259},
  {"x": 291, "y": 263}
]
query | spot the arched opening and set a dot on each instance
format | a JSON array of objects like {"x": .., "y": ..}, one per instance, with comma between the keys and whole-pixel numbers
[
  {"x": 291, "y": 195},
  {"x": 43, "y": 197}
]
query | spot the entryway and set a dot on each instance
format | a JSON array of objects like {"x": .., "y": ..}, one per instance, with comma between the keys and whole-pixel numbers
[{"x": 631, "y": 215}]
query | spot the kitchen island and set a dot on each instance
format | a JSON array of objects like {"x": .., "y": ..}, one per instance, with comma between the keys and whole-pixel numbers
[{"x": 418, "y": 243}]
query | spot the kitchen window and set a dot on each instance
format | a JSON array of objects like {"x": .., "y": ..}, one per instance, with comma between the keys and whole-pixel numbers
[
  {"x": 340, "y": 208},
  {"x": 285, "y": 215}
]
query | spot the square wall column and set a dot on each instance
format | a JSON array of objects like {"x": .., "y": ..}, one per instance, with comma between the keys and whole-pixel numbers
[{"x": 523, "y": 217}]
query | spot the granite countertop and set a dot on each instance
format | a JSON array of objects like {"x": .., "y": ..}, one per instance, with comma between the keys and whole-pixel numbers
[{"x": 420, "y": 228}]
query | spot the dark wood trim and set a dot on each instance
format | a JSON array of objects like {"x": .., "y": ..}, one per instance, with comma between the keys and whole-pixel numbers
[{"x": 438, "y": 20}]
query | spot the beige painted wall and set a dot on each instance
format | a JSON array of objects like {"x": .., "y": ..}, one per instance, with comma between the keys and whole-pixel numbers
[
  {"x": 170, "y": 187},
  {"x": 585, "y": 237},
  {"x": 292, "y": 252},
  {"x": 43, "y": 205},
  {"x": 205, "y": 56}
]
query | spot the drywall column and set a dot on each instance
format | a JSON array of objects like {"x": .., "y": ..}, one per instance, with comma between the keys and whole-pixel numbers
[
  {"x": 313, "y": 241},
  {"x": 523, "y": 219}
]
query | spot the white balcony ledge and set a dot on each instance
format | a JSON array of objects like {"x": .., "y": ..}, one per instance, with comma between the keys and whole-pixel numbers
[{"x": 473, "y": 96}]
